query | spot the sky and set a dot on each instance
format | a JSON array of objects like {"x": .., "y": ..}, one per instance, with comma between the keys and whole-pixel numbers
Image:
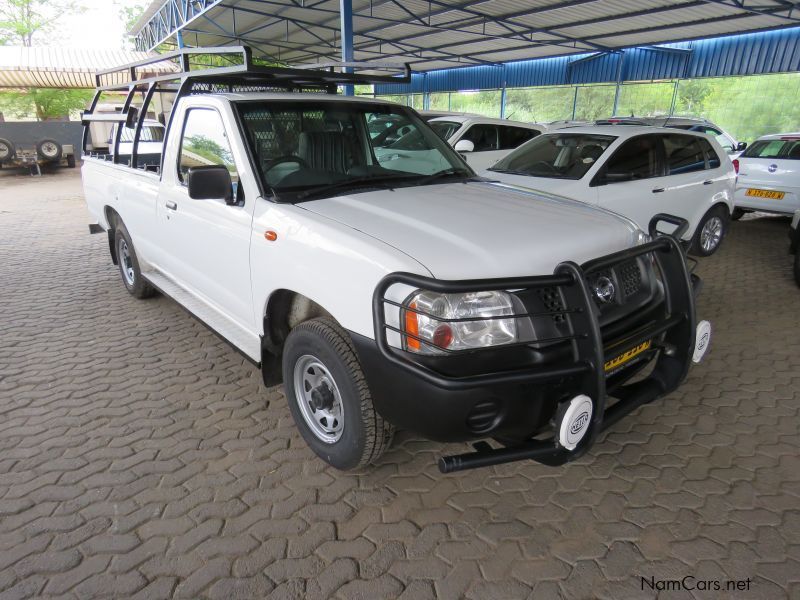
[{"x": 100, "y": 26}]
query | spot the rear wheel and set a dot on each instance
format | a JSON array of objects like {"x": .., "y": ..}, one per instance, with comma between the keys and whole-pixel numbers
[
  {"x": 7, "y": 150},
  {"x": 129, "y": 265},
  {"x": 329, "y": 398},
  {"x": 48, "y": 150},
  {"x": 71, "y": 161},
  {"x": 710, "y": 231}
]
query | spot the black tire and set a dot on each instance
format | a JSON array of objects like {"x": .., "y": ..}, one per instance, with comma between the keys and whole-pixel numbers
[
  {"x": 737, "y": 214},
  {"x": 716, "y": 220},
  {"x": 48, "y": 149},
  {"x": 129, "y": 265},
  {"x": 364, "y": 435},
  {"x": 797, "y": 267},
  {"x": 71, "y": 161},
  {"x": 7, "y": 150}
]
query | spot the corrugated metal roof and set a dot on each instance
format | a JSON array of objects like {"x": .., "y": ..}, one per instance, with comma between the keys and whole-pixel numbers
[
  {"x": 436, "y": 34},
  {"x": 55, "y": 67},
  {"x": 747, "y": 54}
]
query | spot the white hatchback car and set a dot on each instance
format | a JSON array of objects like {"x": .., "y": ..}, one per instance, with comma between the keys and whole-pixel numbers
[
  {"x": 636, "y": 171},
  {"x": 769, "y": 175},
  {"x": 483, "y": 141}
]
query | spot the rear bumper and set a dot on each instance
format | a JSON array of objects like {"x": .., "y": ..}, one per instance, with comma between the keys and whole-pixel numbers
[
  {"x": 443, "y": 400},
  {"x": 787, "y": 205}
]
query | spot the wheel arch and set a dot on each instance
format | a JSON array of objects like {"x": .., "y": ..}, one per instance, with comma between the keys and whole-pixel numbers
[
  {"x": 284, "y": 310},
  {"x": 113, "y": 219}
]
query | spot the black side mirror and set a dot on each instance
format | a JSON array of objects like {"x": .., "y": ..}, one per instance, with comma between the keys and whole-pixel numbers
[
  {"x": 131, "y": 117},
  {"x": 210, "y": 183},
  {"x": 741, "y": 146}
]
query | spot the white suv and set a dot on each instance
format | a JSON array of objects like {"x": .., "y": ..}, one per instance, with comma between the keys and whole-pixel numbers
[{"x": 636, "y": 171}]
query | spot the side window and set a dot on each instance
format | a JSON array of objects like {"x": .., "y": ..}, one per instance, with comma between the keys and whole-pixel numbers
[
  {"x": 683, "y": 154},
  {"x": 635, "y": 159},
  {"x": 711, "y": 154},
  {"x": 205, "y": 143},
  {"x": 511, "y": 137},
  {"x": 483, "y": 136}
]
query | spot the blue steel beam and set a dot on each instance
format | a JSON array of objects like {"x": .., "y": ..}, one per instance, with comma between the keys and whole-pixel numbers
[{"x": 346, "y": 12}]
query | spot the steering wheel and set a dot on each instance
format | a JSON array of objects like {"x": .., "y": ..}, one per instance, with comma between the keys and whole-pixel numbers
[
  {"x": 286, "y": 158},
  {"x": 550, "y": 167}
]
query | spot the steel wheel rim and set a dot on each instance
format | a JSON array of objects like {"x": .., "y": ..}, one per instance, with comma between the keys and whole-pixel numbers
[
  {"x": 5, "y": 151},
  {"x": 327, "y": 421},
  {"x": 711, "y": 234},
  {"x": 127, "y": 263},
  {"x": 49, "y": 150}
]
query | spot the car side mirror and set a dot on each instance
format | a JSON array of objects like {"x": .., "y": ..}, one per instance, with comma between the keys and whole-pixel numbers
[
  {"x": 464, "y": 146},
  {"x": 741, "y": 146},
  {"x": 210, "y": 183}
]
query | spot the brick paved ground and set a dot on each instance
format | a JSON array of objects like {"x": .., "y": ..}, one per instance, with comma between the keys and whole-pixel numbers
[{"x": 141, "y": 457}]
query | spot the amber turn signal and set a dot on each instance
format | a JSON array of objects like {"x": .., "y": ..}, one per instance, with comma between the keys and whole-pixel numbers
[{"x": 270, "y": 235}]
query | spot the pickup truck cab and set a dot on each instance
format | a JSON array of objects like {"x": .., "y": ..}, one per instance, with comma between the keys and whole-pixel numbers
[{"x": 393, "y": 289}]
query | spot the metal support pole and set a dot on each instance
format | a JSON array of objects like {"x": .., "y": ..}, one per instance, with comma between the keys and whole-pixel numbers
[
  {"x": 574, "y": 102},
  {"x": 619, "y": 82},
  {"x": 346, "y": 14},
  {"x": 674, "y": 99},
  {"x": 503, "y": 96},
  {"x": 179, "y": 38}
]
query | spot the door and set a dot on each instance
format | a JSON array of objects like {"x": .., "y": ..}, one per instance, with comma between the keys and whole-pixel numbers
[
  {"x": 207, "y": 242},
  {"x": 632, "y": 181}
]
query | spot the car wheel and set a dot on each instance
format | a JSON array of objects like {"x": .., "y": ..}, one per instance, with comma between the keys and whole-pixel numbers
[
  {"x": 797, "y": 268},
  {"x": 129, "y": 265},
  {"x": 710, "y": 232},
  {"x": 71, "y": 161},
  {"x": 329, "y": 398},
  {"x": 7, "y": 150},
  {"x": 737, "y": 214},
  {"x": 48, "y": 150}
]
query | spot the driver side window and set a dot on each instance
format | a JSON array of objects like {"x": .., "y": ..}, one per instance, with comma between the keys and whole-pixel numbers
[
  {"x": 483, "y": 136},
  {"x": 205, "y": 143}
]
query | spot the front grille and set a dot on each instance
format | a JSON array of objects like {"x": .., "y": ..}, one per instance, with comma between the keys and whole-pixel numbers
[
  {"x": 630, "y": 277},
  {"x": 551, "y": 298}
]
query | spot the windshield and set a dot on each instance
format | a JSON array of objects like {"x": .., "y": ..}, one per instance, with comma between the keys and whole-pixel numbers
[
  {"x": 556, "y": 155},
  {"x": 313, "y": 149},
  {"x": 444, "y": 129}
]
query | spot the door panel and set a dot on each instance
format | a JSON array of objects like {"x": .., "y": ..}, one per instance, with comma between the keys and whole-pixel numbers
[{"x": 207, "y": 241}]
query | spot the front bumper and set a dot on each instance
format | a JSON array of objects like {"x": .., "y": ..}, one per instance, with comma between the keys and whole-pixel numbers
[{"x": 475, "y": 395}]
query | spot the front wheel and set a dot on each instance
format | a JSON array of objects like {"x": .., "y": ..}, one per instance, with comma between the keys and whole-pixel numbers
[
  {"x": 710, "y": 231},
  {"x": 737, "y": 214},
  {"x": 329, "y": 398}
]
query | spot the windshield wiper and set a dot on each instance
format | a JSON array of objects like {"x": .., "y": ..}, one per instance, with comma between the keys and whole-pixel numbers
[
  {"x": 447, "y": 173},
  {"x": 340, "y": 185}
]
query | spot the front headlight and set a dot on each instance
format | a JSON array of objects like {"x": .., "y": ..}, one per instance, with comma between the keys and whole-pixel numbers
[{"x": 467, "y": 330}]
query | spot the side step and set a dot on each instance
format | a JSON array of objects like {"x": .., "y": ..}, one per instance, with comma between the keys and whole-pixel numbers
[{"x": 240, "y": 338}]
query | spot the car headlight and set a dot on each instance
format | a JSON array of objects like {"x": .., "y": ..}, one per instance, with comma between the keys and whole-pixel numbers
[{"x": 467, "y": 330}]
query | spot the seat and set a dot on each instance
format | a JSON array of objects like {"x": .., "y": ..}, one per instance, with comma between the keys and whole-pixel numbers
[{"x": 326, "y": 150}]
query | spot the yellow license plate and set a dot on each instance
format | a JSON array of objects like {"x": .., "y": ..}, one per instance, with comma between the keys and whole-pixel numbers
[
  {"x": 627, "y": 356},
  {"x": 768, "y": 194}
]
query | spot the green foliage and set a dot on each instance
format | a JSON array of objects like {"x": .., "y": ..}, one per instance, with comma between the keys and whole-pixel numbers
[
  {"x": 747, "y": 107},
  {"x": 44, "y": 103},
  {"x": 21, "y": 20}
]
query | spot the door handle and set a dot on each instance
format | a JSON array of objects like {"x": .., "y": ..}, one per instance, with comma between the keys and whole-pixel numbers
[
  {"x": 708, "y": 182},
  {"x": 658, "y": 190},
  {"x": 171, "y": 205}
]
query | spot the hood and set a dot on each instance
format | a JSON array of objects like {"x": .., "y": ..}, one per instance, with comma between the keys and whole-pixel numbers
[{"x": 480, "y": 230}]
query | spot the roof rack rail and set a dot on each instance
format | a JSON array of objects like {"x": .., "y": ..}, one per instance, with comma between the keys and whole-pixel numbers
[{"x": 243, "y": 68}]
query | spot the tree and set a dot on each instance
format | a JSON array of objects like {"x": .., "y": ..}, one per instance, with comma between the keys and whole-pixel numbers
[
  {"x": 21, "y": 20},
  {"x": 130, "y": 11},
  {"x": 45, "y": 103}
]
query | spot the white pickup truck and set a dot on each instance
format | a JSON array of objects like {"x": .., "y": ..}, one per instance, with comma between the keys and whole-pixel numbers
[{"x": 392, "y": 289}]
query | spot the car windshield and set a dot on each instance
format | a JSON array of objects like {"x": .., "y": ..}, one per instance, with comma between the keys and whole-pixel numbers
[
  {"x": 313, "y": 149},
  {"x": 444, "y": 129},
  {"x": 556, "y": 155}
]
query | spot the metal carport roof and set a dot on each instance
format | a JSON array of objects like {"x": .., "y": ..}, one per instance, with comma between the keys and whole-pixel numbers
[{"x": 435, "y": 34}]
